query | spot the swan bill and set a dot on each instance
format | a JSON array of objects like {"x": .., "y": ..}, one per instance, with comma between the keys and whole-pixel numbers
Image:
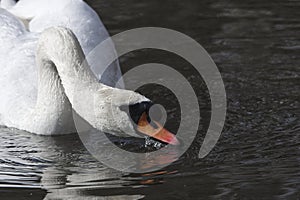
[{"x": 159, "y": 132}]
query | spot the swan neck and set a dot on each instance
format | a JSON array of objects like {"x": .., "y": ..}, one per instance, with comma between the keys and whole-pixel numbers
[
  {"x": 60, "y": 47},
  {"x": 64, "y": 77}
]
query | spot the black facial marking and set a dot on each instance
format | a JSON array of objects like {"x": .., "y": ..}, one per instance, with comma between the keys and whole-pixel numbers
[{"x": 136, "y": 110}]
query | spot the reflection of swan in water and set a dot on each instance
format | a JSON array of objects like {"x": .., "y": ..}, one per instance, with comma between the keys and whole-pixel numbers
[
  {"x": 75, "y": 182},
  {"x": 40, "y": 99},
  {"x": 65, "y": 172},
  {"x": 76, "y": 175},
  {"x": 55, "y": 180},
  {"x": 72, "y": 196},
  {"x": 54, "y": 165}
]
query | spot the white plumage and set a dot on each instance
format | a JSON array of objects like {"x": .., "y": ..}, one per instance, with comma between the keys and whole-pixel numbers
[{"x": 41, "y": 101}]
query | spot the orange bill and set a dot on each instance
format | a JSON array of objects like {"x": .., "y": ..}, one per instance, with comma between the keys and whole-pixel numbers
[{"x": 159, "y": 133}]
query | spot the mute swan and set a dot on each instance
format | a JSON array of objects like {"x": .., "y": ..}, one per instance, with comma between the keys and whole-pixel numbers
[{"x": 43, "y": 68}]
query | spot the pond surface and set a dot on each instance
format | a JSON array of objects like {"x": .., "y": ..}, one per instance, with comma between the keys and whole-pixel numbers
[{"x": 256, "y": 46}]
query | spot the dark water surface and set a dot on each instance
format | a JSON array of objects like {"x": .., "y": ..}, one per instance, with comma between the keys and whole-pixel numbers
[{"x": 256, "y": 46}]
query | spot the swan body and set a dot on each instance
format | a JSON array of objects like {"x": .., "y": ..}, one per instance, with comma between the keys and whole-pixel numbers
[
  {"x": 48, "y": 74},
  {"x": 44, "y": 67},
  {"x": 75, "y": 15}
]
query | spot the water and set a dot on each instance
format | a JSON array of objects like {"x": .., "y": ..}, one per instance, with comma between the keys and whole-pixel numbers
[{"x": 256, "y": 46}]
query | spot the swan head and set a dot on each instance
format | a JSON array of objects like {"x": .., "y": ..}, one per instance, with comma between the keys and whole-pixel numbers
[
  {"x": 108, "y": 109},
  {"x": 126, "y": 113}
]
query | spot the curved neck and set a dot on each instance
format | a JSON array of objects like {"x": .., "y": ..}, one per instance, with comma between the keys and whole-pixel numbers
[
  {"x": 63, "y": 73},
  {"x": 59, "y": 48}
]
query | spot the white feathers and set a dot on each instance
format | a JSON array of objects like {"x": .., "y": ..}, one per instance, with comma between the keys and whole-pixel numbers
[
  {"x": 6, "y": 4},
  {"x": 37, "y": 85}
]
